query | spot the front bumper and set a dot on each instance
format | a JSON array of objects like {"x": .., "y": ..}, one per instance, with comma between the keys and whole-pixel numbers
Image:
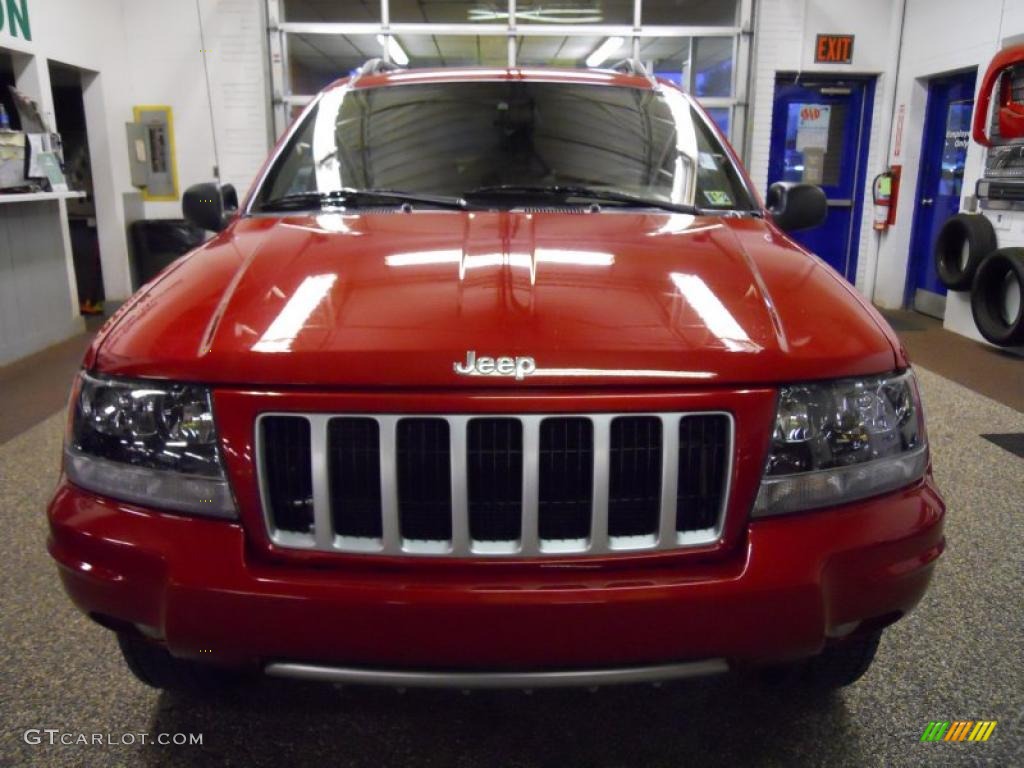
[{"x": 790, "y": 585}]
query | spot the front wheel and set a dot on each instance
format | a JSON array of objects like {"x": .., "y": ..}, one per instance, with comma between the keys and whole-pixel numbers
[
  {"x": 844, "y": 663},
  {"x": 839, "y": 665},
  {"x": 153, "y": 665}
]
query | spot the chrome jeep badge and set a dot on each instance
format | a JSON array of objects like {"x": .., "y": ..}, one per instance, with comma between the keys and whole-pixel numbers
[{"x": 520, "y": 367}]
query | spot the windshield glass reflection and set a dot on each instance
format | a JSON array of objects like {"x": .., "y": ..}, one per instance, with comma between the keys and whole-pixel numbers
[{"x": 449, "y": 138}]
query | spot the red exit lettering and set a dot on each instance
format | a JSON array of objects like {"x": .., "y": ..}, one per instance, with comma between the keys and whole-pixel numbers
[{"x": 834, "y": 49}]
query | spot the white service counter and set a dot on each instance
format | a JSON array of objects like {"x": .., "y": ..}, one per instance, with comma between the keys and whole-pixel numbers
[{"x": 38, "y": 296}]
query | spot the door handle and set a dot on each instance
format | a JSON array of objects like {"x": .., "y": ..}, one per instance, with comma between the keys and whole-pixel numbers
[{"x": 927, "y": 201}]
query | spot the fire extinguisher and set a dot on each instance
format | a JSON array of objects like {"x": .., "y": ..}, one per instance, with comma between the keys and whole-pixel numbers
[{"x": 884, "y": 191}]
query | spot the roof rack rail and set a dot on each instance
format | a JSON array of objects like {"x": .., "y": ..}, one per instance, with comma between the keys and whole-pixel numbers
[
  {"x": 374, "y": 66},
  {"x": 634, "y": 67}
]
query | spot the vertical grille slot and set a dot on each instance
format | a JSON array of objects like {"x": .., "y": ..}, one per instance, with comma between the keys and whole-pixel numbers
[
  {"x": 494, "y": 464},
  {"x": 354, "y": 471},
  {"x": 634, "y": 483},
  {"x": 566, "y": 477},
  {"x": 703, "y": 462},
  {"x": 424, "y": 479},
  {"x": 288, "y": 470}
]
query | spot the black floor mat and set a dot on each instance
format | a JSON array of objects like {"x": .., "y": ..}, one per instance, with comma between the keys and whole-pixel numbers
[
  {"x": 1011, "y": 441},
  {"x": 904, "y": 321}
]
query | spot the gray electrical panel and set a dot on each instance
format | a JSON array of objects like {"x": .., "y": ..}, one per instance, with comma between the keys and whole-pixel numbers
[{"x": 151, "y": 153}]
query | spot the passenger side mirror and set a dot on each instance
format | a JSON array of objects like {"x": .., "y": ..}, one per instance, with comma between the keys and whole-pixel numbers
[
  {"x": 208, "y": 206},
  {"x": 795, "y": 206}
]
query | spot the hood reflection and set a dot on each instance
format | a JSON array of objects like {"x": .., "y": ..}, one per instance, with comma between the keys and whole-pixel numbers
[
  {"x": 292, "y": 318},
  {"x": 467, "y": 262},
  {"x": 718, "y": 320},
  {"x": 632, "y": 373}
]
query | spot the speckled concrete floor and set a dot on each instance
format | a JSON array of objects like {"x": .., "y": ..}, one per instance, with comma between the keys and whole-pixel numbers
[{"x": 958, "y": 657}]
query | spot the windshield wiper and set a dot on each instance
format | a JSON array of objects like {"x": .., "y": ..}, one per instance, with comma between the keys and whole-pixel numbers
[
  {"x": 564, "y": 192},
  {"x": 358, "y": 197}
]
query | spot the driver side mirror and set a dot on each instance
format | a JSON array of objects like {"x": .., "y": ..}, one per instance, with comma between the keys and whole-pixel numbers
[
  {"x": 208, "y": 206},
  {"x": 795, "y": 205}
]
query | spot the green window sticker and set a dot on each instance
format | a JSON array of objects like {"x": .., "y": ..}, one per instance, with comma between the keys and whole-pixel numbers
[{"x": 717, "y": 197}]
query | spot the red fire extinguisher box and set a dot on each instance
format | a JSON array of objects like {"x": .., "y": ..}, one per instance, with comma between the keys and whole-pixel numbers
[{"x": 884, "y": 193}]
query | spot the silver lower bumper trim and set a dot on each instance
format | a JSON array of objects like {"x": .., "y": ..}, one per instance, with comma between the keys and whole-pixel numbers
[{"x": 480, "y": 680}]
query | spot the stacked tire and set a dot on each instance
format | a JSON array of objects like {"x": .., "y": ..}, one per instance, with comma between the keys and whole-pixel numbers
[
  {"x": 998, "y": 287},
  {"x": 967, "y": 257}
]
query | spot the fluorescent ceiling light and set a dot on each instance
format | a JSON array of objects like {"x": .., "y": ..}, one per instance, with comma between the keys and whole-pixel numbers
[
  {"x": 604, "y": 50},
  {"x": 395, "y": 52},
  {"x": 541, "y": 15}
]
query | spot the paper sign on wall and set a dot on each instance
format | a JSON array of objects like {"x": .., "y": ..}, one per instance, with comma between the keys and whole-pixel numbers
[
  {"x": 898, "y": 140},
  {"x": 812, "y": 128}
]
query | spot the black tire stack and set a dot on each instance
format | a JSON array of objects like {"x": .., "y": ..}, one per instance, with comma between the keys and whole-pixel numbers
[
  {"x": 967, "y": 257},
  {"x": 988, "y": 296}
]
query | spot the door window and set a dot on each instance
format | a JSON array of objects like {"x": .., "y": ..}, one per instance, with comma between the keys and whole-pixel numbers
[
  {"x": 954, "y": 151},
  {"x": 814, "y": 143}
]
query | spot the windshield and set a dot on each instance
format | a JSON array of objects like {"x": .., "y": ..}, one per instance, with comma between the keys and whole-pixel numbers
[{"x": 455, "y": 137}]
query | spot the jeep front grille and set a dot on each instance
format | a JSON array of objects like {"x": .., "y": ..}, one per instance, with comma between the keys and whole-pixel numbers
[{"x": 494, "y": 485}]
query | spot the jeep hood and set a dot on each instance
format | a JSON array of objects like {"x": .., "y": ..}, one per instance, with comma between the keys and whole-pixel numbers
[{"x": 617, "y": 298}]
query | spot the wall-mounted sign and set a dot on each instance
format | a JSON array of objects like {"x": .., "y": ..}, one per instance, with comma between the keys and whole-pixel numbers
[
  {"x": 14, "y": 19},
  {"x": 833, "y": 49},
  {"x": 898, "y": 139}
]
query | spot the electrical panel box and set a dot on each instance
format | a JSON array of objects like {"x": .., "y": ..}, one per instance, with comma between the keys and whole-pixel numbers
[{"x": 151, "y": 153}]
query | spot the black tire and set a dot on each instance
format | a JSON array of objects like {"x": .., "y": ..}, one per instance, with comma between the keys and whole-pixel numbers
[
  {"x": 988, "y": 293},
  {"x": 839, "y": 665},
  {"x": 153, "y": 665},
  {"x": 843, "y": 663},
  {"x": 977, "y": 233}
]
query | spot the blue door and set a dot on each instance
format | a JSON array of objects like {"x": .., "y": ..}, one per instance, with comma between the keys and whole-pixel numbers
[
  {"x": 820, "y": 130},
  {"x": 947, "y": 130}
]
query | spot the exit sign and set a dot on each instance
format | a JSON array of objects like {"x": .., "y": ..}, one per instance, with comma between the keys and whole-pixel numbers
[{"x": 833, "y": 49}]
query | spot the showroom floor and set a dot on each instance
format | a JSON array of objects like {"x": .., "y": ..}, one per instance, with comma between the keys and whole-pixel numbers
[{"x": 956, "y": 658}]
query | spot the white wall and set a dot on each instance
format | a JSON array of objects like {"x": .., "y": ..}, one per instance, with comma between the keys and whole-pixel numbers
[
  {"x": 149, "y": 52},
  {"x": 934, "y": 44},
  {"x": 89, "y": 36},
  {"x": 931, "y": 46},
  {"x": 938, "y": 37},
  {"x": 165, "y": 40}
]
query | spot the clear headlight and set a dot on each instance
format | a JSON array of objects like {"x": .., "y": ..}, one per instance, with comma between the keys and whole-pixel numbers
[
  {"x": 843, "y": 440},
  {"x": 148, "y": 442}
]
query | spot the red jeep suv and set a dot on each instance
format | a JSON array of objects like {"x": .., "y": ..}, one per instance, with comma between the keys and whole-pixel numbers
[{"x": 498, "y": 377}]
